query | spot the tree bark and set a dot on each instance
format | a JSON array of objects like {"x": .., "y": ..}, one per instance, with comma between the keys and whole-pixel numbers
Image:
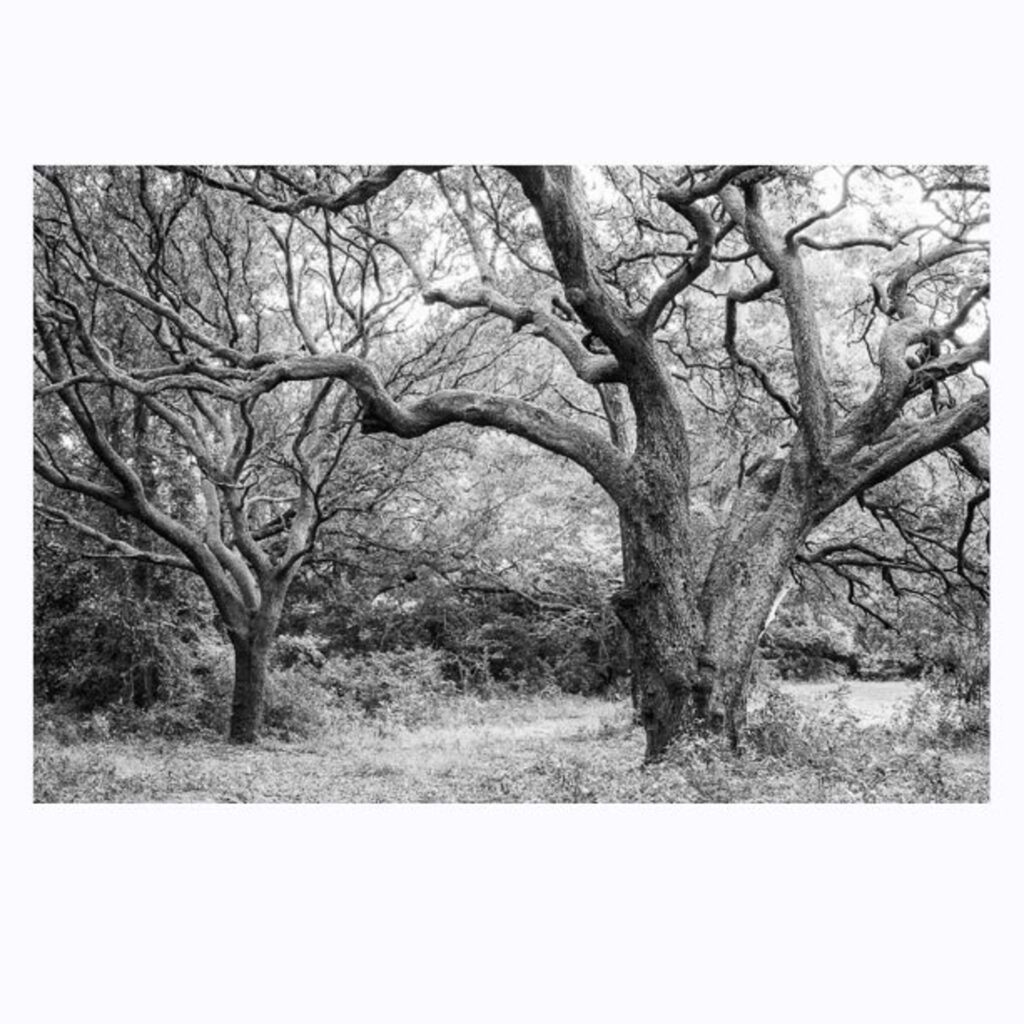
[
  {"x": 658, "y": 608},
  {"x": 252, "y": 637},
  {"x": 692, "y": 666},
  {"x": 252, "y": 654},
  {"x": 769, "y": 519},
  {"x": 737, "y": 619}
]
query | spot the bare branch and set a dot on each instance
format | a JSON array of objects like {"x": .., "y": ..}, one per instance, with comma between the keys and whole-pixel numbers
[
  {"x": 586, "y": 447},
  {"x": 688, "y": 271},
  {"x": 355, "y": 195},
  {"x": 733, "y": 300},
  {"x": 900, "y": 447},
  {"x": 816, "y": 413},
  {"x": 557, "y": 195},
  {"x": 122, "y": 548}
]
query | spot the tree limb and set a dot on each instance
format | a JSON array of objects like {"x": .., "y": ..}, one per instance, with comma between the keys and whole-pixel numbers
[
  {"x": 902, "y": 447},
  {"x": 122, "y": 548},
  {"x": 816, "y": 413},
  {"x": 557, "y": 434}
]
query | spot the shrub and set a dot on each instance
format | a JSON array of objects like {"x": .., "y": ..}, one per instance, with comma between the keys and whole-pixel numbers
[
  {"x": 304, "y": 649},
  {"x": 952, "y": 705},
  {"x": 297, "y": 705},
  {"x": 98, "y": 660},
  {"x": 808, "y": 651},
  {"x": 493, "y": 639},
  {"x": 781, "y": 727},
  {"x": 406, "y": 687},
  {"x": 795, "y": 753}
]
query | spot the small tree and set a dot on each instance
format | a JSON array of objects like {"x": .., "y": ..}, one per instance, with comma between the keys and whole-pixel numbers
[{"x": 140, "y": 278}]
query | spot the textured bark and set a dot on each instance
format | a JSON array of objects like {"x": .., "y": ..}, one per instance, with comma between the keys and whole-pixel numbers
[
  {"x": 253, "y": 640},
  {"x": 252, "y": 653},
  {"x": 769, "y": 519},
  {"x": 692, "y": 660},
  {"x": 737, "y": 617},
  {"x": 658, "y": 609},
  {"x": 658, "y": 604}
]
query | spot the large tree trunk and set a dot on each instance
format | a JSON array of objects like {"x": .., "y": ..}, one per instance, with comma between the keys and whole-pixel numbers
[
  {"x": 658, "y": 608},
  {"x": 253, "y": 638},
  {"x": 252, "y": 654},
  {"x": 730, "y": 647},
  {"x": 692, "y": 655},
  {"x": 743, "y": 582}
]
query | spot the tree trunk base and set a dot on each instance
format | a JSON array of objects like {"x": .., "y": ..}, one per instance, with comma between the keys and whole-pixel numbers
[{"x": 251, "y": 656}]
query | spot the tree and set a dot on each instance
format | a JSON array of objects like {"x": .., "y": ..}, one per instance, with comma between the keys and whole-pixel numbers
[
  {"x": 139, "y": 278},
  {"x": 638, "y": 279}
]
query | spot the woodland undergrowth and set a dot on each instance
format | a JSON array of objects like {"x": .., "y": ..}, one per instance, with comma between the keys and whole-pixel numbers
[{"x": 392, "y": 728}]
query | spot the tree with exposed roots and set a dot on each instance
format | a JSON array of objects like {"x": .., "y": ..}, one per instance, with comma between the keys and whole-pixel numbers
[{"x": 783, "y": 339}]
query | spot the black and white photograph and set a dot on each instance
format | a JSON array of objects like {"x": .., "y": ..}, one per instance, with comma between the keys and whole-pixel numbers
[{"x": 511, "y": 484}]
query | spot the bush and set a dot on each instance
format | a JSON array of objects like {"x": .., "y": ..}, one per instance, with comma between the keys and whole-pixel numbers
[
  {"x": 197, "y": 702},
  {"x": 781, "y": 727},
  {"x": 405, "y": 687},
  {"x": 97, "y": 661},
  {"x": 808, "y": 651},
  {"x": 794, "y": 753},
  {"x": 304, "y": 649},
  {"x": 952, "y": 705},
  {"x": 492, "y": 639},
  {"x": 297, "y": 705}
]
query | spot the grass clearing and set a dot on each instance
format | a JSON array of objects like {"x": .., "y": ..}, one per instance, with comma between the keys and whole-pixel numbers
[{"x": 540, "y": 749}]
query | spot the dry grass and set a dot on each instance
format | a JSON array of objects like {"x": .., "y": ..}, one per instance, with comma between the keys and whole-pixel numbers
[{"x": 548, "y": 749}]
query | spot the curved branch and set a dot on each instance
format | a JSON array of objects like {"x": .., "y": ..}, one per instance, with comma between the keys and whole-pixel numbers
[
  {"x": 382, "y": 414},
  {"x": 556, "y": 194},
  {"x": 893, "y": 294},
  {"x": 355, "y": 195},
  {"x": 961, "y": 545},
  {"x": 878, "y": 411},
  {"x": 907, "y": 445},
  {"x": 679, "y": 197},
  {"x": 974, "y": 461},
  {"x": 122, "y": 548},
  {"x": 948, "y": 365},
  {"x": 688, "y": 272},
  {"x": 732, "y": 301},
  {"x": 816, "y": 414},
  {"x": 844, "y": 196}
]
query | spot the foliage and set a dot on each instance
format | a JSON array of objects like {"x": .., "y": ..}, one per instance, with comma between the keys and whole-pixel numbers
[
  {"x": 548, "y": 625},
  {"x": 808, "y": 651},
  {"x": 297, "y": 706},
  {"x": 952, "y": 706},
  {"x": 99, "y": 641},
  {"x": 797, "y": 752},
  {"x": 195, "y": 702},
  {"x": 406, "y": 687},
  {"x": 549, "y": 748},
  {"x": 502, "y": 641}
]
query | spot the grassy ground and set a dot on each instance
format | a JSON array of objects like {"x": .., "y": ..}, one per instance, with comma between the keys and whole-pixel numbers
[
  {"x": 872, "y": 702},
  {"x": 531, "y": 749}
]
